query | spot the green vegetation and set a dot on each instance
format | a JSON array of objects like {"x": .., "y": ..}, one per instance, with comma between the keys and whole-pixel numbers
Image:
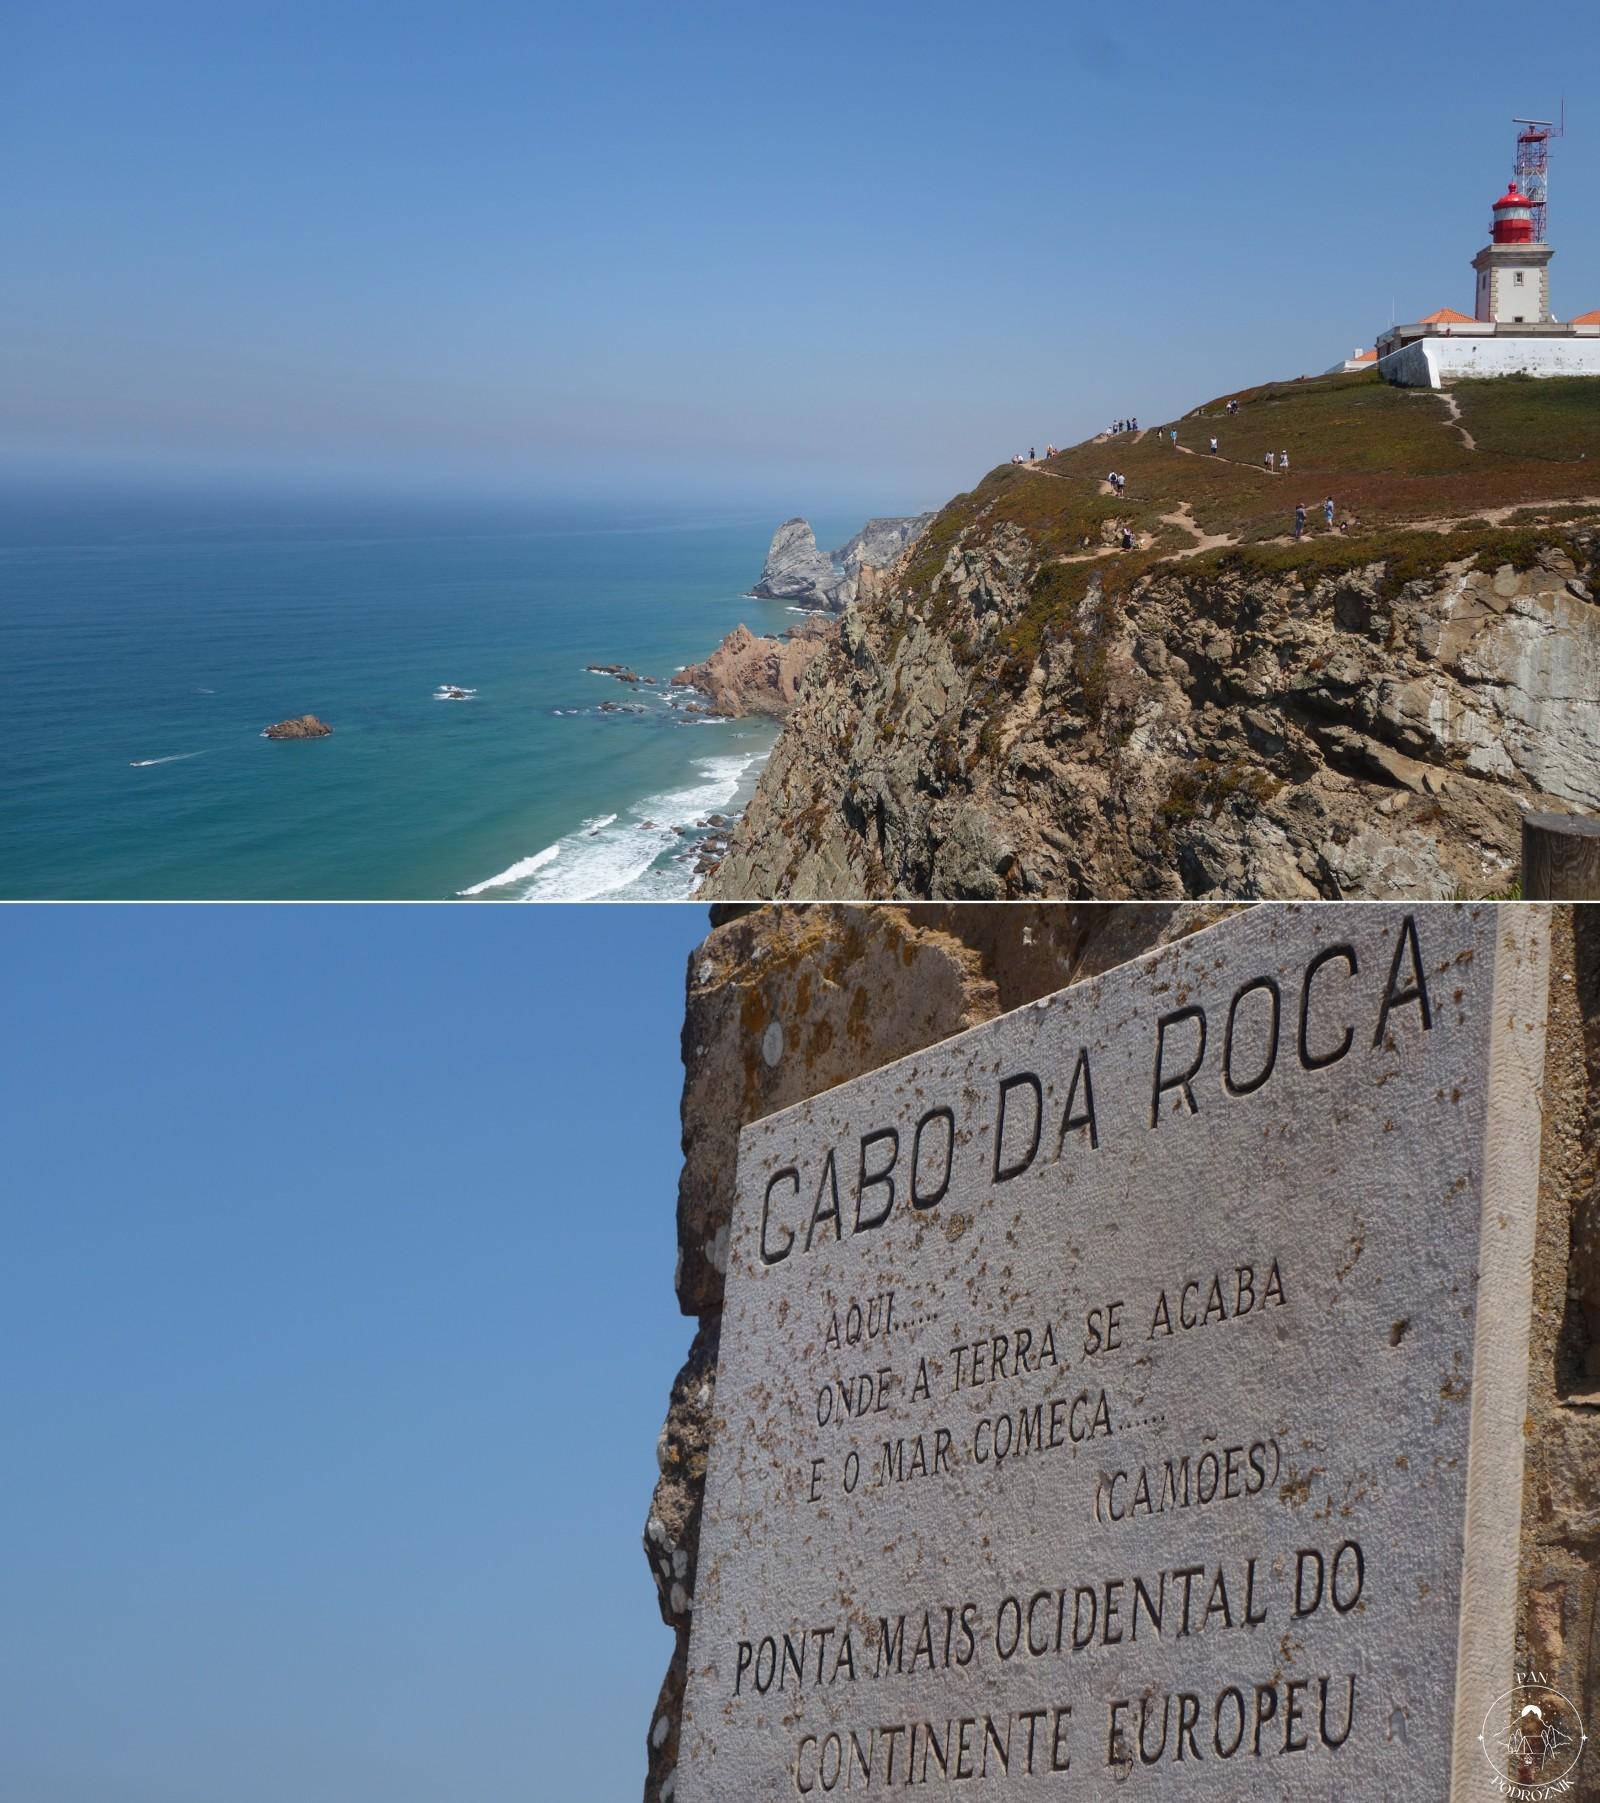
[
  {"x": 1389, "y": 456},
  {"x": 1410, "y": 494},
  {"x": 1526, "y": 417},
  {"x": 1408, "y": 491},
  {"x": 1405, "y": 556},
  {"x": 1202, "y": 789}
]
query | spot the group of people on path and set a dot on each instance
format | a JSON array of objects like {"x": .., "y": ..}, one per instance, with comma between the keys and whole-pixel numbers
[
  {"x": 1277, "y": 461},
  {"x": 1327, "y": 516}
]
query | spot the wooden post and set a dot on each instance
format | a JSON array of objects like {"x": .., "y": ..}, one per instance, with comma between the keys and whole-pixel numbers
[{"x": 1560, "y": 857}]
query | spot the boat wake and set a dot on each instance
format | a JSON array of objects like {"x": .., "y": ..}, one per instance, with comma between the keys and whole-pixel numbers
[
  {"x": 625, "y": 857},
  {"x": 177, "y": 757}
]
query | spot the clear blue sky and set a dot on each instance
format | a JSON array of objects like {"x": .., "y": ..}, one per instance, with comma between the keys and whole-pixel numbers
[
  {"x": 337, "y": 1326},
  {"x": 835, "y": 254}
]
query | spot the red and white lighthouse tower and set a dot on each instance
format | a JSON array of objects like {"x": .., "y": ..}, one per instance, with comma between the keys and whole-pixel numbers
[{"x": 1514, "y": 267}]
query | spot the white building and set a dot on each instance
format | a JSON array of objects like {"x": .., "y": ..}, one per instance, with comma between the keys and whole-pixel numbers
[{"x": 1511, "y": 330}]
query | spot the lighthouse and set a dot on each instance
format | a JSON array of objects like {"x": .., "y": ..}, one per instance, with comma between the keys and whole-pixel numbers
[
  {"x": 1511, "y": 330},
  {"x": 1513, "y": 267}
]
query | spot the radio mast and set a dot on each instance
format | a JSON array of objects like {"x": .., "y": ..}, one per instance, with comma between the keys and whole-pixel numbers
[{"x": 1531, "y": 171}]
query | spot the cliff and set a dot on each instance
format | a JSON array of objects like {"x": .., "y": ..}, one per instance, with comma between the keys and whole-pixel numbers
[
  {"x": 751, "y": 675},
  {"x": 1020, "y": 707},
  {"x": 795, "y": 570}
]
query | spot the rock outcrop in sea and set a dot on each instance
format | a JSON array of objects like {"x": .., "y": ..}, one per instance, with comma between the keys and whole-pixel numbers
[
  {"x": 796, "y": 570},
  {"x": 747, "y": 674},
  {"x": 308, "y": 726},
  {"x": 1018, "y": 708}
]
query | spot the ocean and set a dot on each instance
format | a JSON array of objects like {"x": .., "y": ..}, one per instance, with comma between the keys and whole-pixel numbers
[{"x": 142, "y": 657}]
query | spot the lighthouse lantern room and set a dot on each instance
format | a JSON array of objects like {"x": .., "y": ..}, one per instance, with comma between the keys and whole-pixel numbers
[{"x": 1513, "y": 268}]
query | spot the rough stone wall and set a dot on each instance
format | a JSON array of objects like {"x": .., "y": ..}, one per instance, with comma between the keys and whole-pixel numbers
[
  {"x": 786, "y": 1001},
  {"x": 1559, "y": 1630}
]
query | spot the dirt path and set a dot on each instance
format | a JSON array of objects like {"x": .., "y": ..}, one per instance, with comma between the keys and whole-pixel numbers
[
  {"x": 1493, "y": 516},
  {"x": 1453, "y": 407},
  {"x": 1204, "y": 541},
  {"x": 1237, "y": 462}
]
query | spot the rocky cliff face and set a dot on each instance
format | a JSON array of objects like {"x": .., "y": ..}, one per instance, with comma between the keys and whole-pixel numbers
[
  {"x": 875, "y": 548},
  {"x": 1219, "y": 726},
  {"x": 751, "y": 675},
  {"x": 797, "y": 571}
]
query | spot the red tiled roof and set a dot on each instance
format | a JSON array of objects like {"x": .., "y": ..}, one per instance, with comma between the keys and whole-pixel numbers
[
  {"x": 1447, "y": 316},
  {"x": 1365, "y": 357},
  {"x": 1586, "y": 319}
]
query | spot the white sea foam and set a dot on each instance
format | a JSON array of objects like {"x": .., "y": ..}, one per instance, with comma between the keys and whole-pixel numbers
[
  {"x": 519, "y": 872},
  {"x": 613, "y": 855},
  {"x": 177, "y": 758}
]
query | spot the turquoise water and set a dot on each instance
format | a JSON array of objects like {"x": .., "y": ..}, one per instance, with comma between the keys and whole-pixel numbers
[{"x": 141, "y": 661}]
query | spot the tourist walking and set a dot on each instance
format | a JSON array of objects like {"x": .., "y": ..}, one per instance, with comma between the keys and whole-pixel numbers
[
  {"x": 1213, "y": 447},
  {"x": 1283, "y": 460},
  {"x": 1300, "y": 519},
  {"x": 1174, "y": 437},
  {"x": 1327, "y": 511},
  {"x": 1268, "y": 459},
  {"x": 1127, "y": 539}
]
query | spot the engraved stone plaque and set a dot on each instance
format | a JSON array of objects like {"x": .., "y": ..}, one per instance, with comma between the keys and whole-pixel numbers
[{"x": 1125, "y": 1398}]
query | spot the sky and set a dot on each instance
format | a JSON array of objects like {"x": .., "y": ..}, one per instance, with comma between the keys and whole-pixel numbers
[
  {"x": 337, "y": 1324},
  {"x": 831, "y": 256}
]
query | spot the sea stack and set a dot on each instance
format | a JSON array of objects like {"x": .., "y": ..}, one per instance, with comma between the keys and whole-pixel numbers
[{"x": 308, "y": 726}]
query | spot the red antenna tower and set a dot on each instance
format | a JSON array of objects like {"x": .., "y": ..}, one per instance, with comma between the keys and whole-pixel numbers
[{"x": 1531, "y": 171}]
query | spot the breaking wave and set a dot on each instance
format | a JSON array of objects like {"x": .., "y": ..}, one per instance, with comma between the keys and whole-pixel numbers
[{"x": 615, "y": 856}]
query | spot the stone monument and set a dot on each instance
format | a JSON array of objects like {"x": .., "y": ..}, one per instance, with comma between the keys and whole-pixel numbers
[{"x": 1126, "y": 1396}]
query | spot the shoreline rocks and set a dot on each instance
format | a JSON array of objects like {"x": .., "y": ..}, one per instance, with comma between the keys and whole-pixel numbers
[{"x": 747, "y": 674}]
